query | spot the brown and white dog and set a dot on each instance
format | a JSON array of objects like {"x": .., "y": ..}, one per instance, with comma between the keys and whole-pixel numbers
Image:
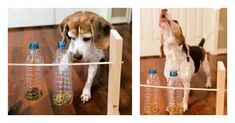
[
  {"x": 89, "y": 37},
  {"x": 180, "y": 56}
]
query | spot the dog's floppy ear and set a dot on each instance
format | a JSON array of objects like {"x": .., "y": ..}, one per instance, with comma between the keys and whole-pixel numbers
[
  {"x": 161, "y": 46},
  {"x": 63, "y": 26},
  {"x": 176, "y": 21},
  {"x": 101, "y": 31},
  {"x": 177, "y": 31}
]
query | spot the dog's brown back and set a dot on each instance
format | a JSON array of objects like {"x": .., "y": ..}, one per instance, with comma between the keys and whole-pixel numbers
[{"x": 198, "y": 54}]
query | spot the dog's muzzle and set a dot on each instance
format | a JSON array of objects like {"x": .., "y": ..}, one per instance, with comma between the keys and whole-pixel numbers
[{"x": 77, "y": 56}]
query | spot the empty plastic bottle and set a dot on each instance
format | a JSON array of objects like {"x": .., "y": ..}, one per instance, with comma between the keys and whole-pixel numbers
[
  {"x": 151, "y": 97},
  {"x": 63, "y": 90},
  {"x": 175, "y": 96},
  {"x": 34, "y": 77}
]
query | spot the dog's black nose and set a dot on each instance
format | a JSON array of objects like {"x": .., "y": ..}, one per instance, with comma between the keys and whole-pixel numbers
[
  {"x": 77, "y": 56},
  {"x": 163, "y": 13}
]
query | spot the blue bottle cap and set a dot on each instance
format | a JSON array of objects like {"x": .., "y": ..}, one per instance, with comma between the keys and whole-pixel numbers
[
  {"x": 61, "y": 44},
  {"x": 152, "y": 71},
  {"x": 33, "y": 45},
  {"x": 173, "y": 73}
]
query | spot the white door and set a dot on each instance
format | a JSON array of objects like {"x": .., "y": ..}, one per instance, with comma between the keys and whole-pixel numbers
[
  {"x": 120, "y": 15},
  {"x": 19, "y": 17},
  {"x": 149, "y": 34}
]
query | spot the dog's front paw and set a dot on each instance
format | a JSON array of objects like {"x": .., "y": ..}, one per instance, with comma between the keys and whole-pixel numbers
[{"x": 86, "y": 95}]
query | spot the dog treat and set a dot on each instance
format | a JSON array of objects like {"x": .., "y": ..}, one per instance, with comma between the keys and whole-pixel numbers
[
  {"x": 175, "y": 110},
  {"x": 33, "y": 94},
  {"x": 62, "y": 99},
  {"x": 151, "y": 109}
]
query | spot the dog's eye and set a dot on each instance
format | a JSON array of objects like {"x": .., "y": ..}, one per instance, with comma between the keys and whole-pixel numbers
[
  {"x": 86, "y": 38},
  {"x": 71, "y": 38}
]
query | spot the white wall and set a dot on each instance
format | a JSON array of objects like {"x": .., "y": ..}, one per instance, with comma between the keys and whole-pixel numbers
[
  {"x": 30, "y": 17},
  {"x": 61, "y": 13},
  {"x": 20, "y": 17},
  {"x": 195, "y": 24}
]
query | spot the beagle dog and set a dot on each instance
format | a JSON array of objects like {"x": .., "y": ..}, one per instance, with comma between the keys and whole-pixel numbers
[
  {"x": 179, "y": 55},
  {"x": 88, "y": 34}
]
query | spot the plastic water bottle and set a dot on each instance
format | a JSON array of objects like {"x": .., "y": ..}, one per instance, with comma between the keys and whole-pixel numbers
[
  {"x": 63, "y": 90},
  {"x": 175, "y": 96},
  {"x": 34, "y": 77},
  {"x": 151, "y": 97}
]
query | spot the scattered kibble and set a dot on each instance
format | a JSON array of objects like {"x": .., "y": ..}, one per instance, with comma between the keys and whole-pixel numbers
[
  {"x": 175, "y": 110},
  {"x": 62, "y": 99},
  {"x": 33, "y": 94},
  {"x": 151, "y": 109}
]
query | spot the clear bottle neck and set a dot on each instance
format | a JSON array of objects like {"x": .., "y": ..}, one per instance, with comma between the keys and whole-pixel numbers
[
  {"x": 151, "y": 79},
  {"x": 152, "y": 75},
  {"x": 33, "y": 51},
  {"x": 175, "y": 81},
  {"x": 61, "y": 49}
]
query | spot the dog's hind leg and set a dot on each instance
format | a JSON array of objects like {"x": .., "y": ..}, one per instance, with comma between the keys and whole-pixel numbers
[
  {"x": 206, "y": 67},
  {"x": 86, "y": 93}
]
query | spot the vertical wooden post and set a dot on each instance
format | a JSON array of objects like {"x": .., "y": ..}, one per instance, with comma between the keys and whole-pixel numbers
[
  {"x": 220, "y": 88},
  {"x": 115, "y": 56}
]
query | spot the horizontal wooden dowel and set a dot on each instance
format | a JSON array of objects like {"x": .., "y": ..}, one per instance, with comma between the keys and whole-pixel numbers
[
  {"x": 69, "y": 64},
  {"x": 182, "y": 88}
]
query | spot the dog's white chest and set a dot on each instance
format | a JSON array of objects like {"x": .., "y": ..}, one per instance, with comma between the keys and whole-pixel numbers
[{"x": 176, "y": 60}]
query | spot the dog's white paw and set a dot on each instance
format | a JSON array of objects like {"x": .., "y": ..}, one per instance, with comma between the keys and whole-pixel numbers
[
  {"x": 86, "y": 95},
  {"x": 208, "y": 84},
  {"x": 185, "y": 107}
]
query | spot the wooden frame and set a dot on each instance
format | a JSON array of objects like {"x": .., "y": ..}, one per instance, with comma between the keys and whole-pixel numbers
[
  {"x": 115, "y": 55},
  {"x": 220, "y": 90},
  {"x": 114, "y": 80}
]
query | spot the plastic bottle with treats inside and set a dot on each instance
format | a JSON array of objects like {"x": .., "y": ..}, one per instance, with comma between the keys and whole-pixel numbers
[
  {"x": 151, "y": 95},
  {"x": 62, "y": 89},
  {"x": 34, "y": 75},
  {"x": 175, "y": 96}
]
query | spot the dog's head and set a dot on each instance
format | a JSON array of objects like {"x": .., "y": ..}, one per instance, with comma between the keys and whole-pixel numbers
[
  {"x": 85, "y": 30},
  {"x": 170, "y": 29}
]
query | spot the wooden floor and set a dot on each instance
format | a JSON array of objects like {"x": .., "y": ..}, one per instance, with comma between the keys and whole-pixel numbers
[
  {"x": 18, "y": 40},
  {"x": 200, "y": 102}
]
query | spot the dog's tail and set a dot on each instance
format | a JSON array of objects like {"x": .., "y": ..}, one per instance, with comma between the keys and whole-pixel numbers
[{"x": 202, "y": 42}]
